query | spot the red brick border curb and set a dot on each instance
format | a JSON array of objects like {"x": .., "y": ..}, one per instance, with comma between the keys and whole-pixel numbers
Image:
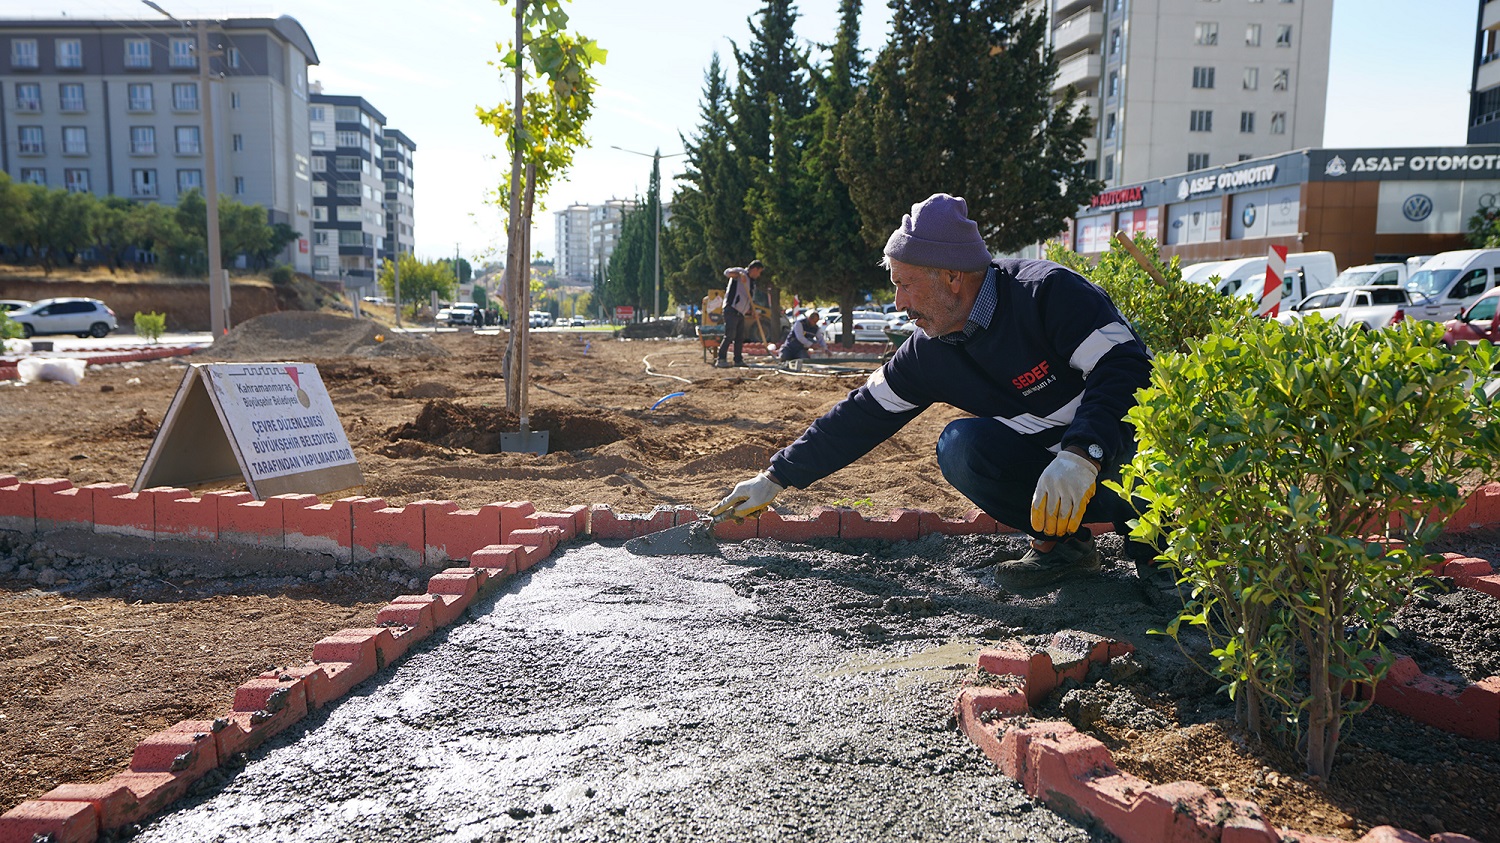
[
  {"x": 10, "y": 371},
  {"x": 1075, "y": 774}
]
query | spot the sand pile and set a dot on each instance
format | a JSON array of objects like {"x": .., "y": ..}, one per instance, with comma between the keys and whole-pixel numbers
[{"x": 294, "y": 335}]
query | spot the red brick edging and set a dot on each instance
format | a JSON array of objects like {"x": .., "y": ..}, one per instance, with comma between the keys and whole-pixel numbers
[{"x": 9, "y": 370}]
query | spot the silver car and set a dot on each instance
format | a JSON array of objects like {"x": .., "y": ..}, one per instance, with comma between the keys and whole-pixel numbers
[
  {"x": 83, "y": 317},
  {"x": 1371, "y": 307}
]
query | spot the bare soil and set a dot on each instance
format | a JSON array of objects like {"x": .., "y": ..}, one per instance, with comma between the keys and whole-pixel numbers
[{"x": 89, "y": 666}]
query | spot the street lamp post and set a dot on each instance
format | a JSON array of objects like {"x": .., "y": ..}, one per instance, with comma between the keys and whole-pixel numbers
[
  {"x": 218, "y": 298},
  {"x": 656, "y": 167}
]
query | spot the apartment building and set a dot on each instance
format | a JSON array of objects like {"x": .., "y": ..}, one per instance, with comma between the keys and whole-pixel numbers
[
  {"x": 1484, "y": 89},
  {"x": 116, "y": 107},
  {"x": 397, "y": 150},
  {"x": 348, "y": 188},
  {"x": 571, "y": 242},
  {"x": 1183, "y": 85}
]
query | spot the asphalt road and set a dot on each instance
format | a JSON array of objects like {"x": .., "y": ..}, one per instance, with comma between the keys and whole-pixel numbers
[{"x": 775, "y": 692}]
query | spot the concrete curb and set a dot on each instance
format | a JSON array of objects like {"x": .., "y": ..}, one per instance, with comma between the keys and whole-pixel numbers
[
  {"x": 1075, "y": 774},
  {"x": 503, "y": 539}
]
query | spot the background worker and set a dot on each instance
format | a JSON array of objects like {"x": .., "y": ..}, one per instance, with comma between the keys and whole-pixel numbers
[
  {"x": 805, "y": 334},
  {"x": 738, "y": 304},
  {"x": 1039, "y": 356}
]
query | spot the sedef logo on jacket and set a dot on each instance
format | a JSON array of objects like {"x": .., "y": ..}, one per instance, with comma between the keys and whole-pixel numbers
[{"x": 1025, "y": 379}]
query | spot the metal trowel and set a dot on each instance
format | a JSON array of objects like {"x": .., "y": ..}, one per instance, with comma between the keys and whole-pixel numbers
[{"x": 684, "y": 539}]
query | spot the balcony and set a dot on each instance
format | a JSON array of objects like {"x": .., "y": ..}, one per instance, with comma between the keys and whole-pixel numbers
[
  {"x": 1092, "y": 104},
  {"x": 1491, "y": 16},
  {"x": 1488, "y": 76},
  {"x": 1063, "y": 8},
  {"x": 1080, "y": 71},
  {"x": 1080, "y": 32}
]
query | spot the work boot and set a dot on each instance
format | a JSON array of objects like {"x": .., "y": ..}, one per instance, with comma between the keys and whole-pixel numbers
[
  {"x": 722, "y": 364},
  {"x": 739, "y": 363},
  {"x": 1067, "y": 558}
]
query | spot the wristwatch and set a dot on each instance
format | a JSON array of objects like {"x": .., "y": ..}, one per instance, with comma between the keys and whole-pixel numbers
[{"x": 1096, "y": 451}]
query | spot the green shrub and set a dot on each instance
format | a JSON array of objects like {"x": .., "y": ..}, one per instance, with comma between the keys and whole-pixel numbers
[
  {"x": 1274, "y": 463},
  {"x": 282, "y": 275},
  {"x": 1166, "y": 317},
  {"x": 9, "y": 328},
  {"x": 150, "y": 325}
]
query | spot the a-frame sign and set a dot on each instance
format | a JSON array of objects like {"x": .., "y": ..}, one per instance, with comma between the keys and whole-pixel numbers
[{"x": 271, "y": 424}]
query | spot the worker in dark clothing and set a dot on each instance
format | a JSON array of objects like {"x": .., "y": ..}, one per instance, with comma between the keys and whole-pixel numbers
[
  {"x": 805, "y": 334},
  {"x": 1039, "y": 356},
  {"x": 738, "y": 306}
]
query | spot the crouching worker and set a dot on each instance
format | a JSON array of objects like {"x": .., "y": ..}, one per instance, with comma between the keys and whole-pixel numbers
[
  {"x": 806, "y": 334},
  {"x": 1039, "y": 356}
]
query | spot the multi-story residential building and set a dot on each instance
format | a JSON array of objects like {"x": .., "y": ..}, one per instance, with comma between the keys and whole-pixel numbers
[
  {"x": 348, "y": 189},
  {"x": 572, "y": 243},
  {"x": 1183, "y": 85},
  {"x": 115, "y": 107},
  {"x": 397, "y": 150},
  {"x": 1484, "y": 92},
  {"x": 605, "y": 223}
]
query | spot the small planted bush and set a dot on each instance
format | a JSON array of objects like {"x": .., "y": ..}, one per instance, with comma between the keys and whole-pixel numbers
[
  {"x": 1166, "y": 317},
  {"x": 282, "y": 275},
  {"x": 150, "y": 325},
  {"x": 1275, "y": 463},
  {"x": 9, "y": 328}
]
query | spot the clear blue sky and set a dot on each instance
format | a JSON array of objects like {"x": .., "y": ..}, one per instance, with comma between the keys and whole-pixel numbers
[{"x": 1399, "y": 75}]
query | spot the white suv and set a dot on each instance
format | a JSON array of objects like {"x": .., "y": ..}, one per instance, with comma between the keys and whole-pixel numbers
[
  {"x": 464, "y": 313},
  {"x": 84, "y": 317},
  {"x": 1371, "y": 307}
]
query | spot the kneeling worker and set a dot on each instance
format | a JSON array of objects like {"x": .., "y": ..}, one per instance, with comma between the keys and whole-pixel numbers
[
  {"x": 805, "y": 333},
  {"x": 1039, "y": 356}
]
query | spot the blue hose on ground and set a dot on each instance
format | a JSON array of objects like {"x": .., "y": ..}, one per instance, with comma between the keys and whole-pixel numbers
[{"x": 665, "y": 398}]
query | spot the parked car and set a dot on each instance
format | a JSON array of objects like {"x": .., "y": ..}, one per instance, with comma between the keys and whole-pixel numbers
[
  {"x": 12, "y": 305},
  {"x": 1452, "y": 281},
  {"x": 575, "y": 322},
  {"x": 465, "y": 313},
  {"x": 541, "y": 319},
  {"x": 869, "y": 326},
  {"x": 1371, "y": 307},
  {"x": 84, "y": 317},
  {"x": 1476, "y": 323},
  {"x": 1372, "y": 273}
]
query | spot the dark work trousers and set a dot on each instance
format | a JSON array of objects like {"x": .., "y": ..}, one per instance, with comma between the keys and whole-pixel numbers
[
  {"x": 997, "y": 468},
  {"x": 734, "y": 331}
]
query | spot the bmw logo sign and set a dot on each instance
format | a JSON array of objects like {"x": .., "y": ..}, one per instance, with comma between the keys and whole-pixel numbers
[
  {"x": 1247, "y": 216},
  {"x": 1417, "y": 207}
]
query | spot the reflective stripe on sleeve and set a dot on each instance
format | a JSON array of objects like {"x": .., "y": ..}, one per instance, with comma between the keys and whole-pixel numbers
[
  {"x": 1028, "y": 423},
  {"x": 884, "y": 395},
  {"x": 1097, "y": 344}
]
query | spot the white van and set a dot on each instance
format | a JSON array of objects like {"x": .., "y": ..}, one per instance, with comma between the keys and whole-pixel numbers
[
  {"x": 1452, "y": 281},
  {"x": 1199, "y": 273},
  {"x": 1372, "y": 274},
  {"x": 1306, "y": 273}
]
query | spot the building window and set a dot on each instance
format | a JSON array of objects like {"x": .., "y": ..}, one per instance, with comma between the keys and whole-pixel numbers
[
  {"x": 319, "y": 188},
  {"x": 1247, "y": 122},
  {"x": 238, "y": 143},
  {"x": 1282, "y": 79},
  {"x": 139, "y": 97},
  {"x": 364, "y": 166},
  {"x": 315, "y": 113},
  {"x": 1252, "y": 78},
  {"x": 30, "y": 138},
  {"x": 142, "y": 182},
  {"x": 319, "y": 140},
  {"x": 351, "y": 237},
  {"x": 1278, "y": 123},
  {"x": 390, "y": 186},
  {"x": 33, "y": 175},
  {"x": 320, "y": 263},
  {"x": 346, "y": 163},
  {"x": 75, "y": 140},
  {"x": 387, "y": 143},
  {"x": 23, "y": 52},
  {"x": 183, "y": 54},
  {"x": 1284, "y": 35},
  {"x": 1252, "y": 35},
  {"x": 1197, "y": 161},
  {"x": 188, "y": 141},
  {"x": 368, "y": 191},
  {"x": 349, "y": 189},
  {"x": 1114, "y": 41},
  {"x": 69, "y": 53},
  {"x": 320, "y": 214},
  {"x": 1206, "y": 34},
  {"x": 1109, "y": 170},
  {"x": 319, "y": 163},
  {"x": 137, "y": 52},
  {"x": 234, "y": 100},
  {"x": 1109, "y": 130},
  {"x": 28, "y": 96},
  {"x": 389, "y": 164},
  {"x": 239, "y": 185},
  {"x": 349, "y": 139},
  {"x": 185, "y": 96},
  {"x": 142, "y": 140},
  {"x": 1244, "y": 156},
  {"x": 1203, "y": 77},
  {"x": 1113, "y": 89},
  {"x": 77, "y": 181},
  {"x": 232, "y": 56},
  {"x": 350, "y": 213},
  {"x": 1201, "y": 120},
  {"x": 345, "y": 114},
  {"x": 189, "y": 180},
  {"x": 70, "y": 96}
]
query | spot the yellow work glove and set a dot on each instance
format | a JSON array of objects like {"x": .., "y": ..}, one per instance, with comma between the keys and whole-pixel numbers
[
  {"x": 1062, "y": 493},
  {"x": 750, "y": 497}
]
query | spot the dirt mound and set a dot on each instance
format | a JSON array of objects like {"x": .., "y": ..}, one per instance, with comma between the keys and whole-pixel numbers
[
  {"x": 295, "y": 335},
  {"x": 479, "y": 428}
]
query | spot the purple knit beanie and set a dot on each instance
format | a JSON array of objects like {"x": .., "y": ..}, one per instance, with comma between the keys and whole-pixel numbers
[{"x": 938, "y": 233}]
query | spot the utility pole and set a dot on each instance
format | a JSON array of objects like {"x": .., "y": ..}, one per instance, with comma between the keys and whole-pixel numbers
[{"x": 656, "y": 170}]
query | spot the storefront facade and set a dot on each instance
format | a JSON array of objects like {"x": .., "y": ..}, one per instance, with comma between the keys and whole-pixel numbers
[{"x": 1363, "y": 205}]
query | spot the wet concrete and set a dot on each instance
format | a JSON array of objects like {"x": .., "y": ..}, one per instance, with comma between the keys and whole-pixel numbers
[{"x": 775, "y": 692}]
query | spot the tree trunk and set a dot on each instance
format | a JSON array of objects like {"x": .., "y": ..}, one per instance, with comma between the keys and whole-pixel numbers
[
  {"x": 516, "y": 243},
  {"x": 846, "y": 319}
]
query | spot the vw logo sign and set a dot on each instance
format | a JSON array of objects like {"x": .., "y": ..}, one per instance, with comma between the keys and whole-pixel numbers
[
  {"x": 1417, "y": 207},
  {"x": 1247, "y": 216}
]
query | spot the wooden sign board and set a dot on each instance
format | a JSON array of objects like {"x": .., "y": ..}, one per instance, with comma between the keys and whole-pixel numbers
[{"x": 271, "y": 424}]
